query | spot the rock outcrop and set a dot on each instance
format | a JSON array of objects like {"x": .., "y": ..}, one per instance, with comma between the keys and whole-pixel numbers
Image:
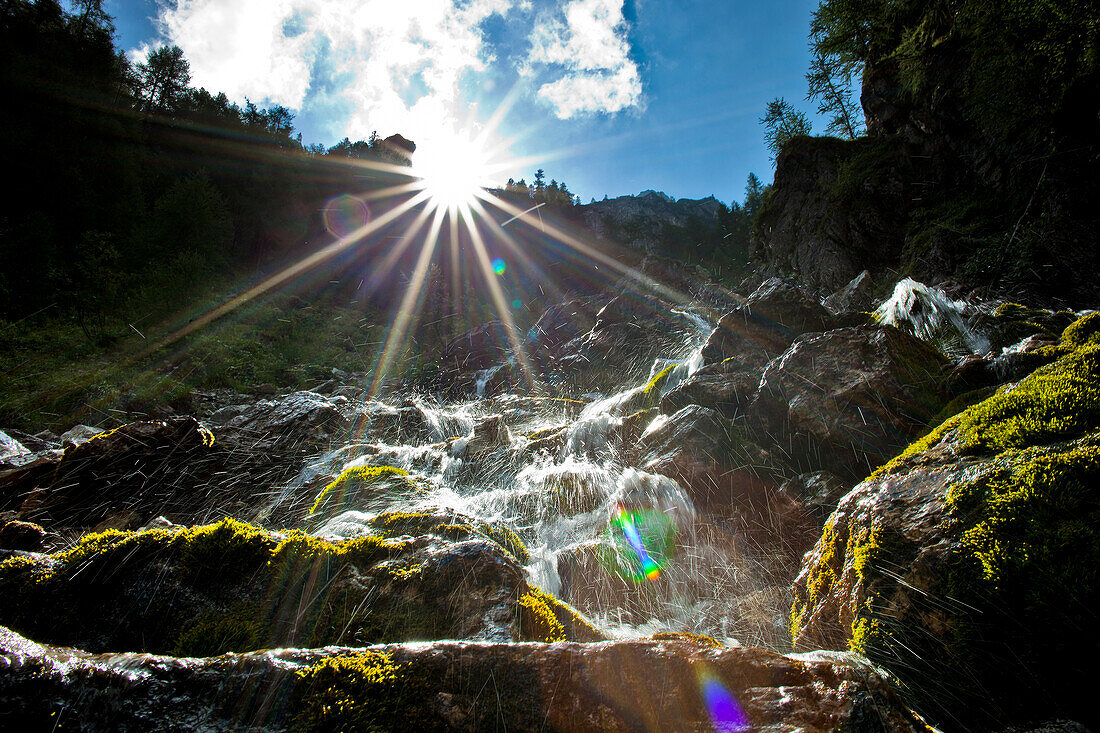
[
  {"x": 965, "y": 566},
  {"x": 678, "y": 683}
]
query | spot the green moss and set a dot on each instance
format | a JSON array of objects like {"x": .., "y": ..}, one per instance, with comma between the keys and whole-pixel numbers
[
  {"x": 1082, "y": 332},
  {"x": 821, "y": 579},
  {"x": 392, "y": 524},
  {"x": 861, "y": 547},
  {"x": 537, "y": 618},
  {"x": 1054, "y": 402},
  {"x": 960, "y": 403},
  {"x": 654, "y": 385},
  {"x": 353, "y": 692},
  {"x": 685, "y": 636},
  {"x": 354, "y": 479}
]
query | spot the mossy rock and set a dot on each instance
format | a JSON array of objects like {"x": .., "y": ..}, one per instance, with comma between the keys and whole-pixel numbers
[
  {"x": 380, "y": 483},
  {"x": 967, "y": 566},
  {"x": 231, "y": 586}
]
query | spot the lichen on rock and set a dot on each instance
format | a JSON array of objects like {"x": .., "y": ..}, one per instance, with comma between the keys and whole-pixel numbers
[{"x": 966, "y": 566}]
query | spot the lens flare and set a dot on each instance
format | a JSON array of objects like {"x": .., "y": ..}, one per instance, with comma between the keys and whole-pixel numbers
[
  {"x": 642, "y": 542},
  {"x": 498, "y": 266},
  {"x": 517, "y": 303},
  {"x": 454, "y": 168},
  {"x": 726, "y": 714},
  {"x": 345, "y": 214}
]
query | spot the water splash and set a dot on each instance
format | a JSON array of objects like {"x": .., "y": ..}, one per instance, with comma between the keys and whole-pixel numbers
[{"x": 931, "y": 316}]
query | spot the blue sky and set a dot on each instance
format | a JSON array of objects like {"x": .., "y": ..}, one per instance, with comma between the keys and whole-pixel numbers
[{"x": 612, "y": 97}]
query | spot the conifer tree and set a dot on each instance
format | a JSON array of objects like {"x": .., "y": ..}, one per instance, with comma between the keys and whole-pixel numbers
[{"x": 782, "y": 122}]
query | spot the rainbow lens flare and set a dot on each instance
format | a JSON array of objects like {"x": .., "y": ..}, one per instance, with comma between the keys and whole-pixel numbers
[
  {"x": 498, "y": 266},
  {"x": 726, "y": 714},
  {"x": 345, "y": 214},
  {"x": 642, "y": 541}
]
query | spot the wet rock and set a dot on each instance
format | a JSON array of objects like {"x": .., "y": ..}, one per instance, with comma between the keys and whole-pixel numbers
[
  {"x": 857, "y": 295},
  {"x": 131, "y": 468},
  {"x": 10, "y": 448},
  {"x": 484, "y": 347},
  {"x": 618, "y": 686},
  {"x": 231, "y": 586},
  {"x": 719, "y": 466},
  {"x": 848, "y": 400},
  {"x": 300, "y": 419},
  {"x": 727, "y": 387},
  {"x": 772, "y": 317},
  {"x": 819, "y": 492},
  {"x": 16, "y": 535},
  {"x": 404, "y": 424},
  {"x": 79, "y": 434},
  {"x": 627, "y": 327},
  {"x": 965, "y": 566},
  {"x": 563, "y": 322},
  {"x": 490, "y": 435}
]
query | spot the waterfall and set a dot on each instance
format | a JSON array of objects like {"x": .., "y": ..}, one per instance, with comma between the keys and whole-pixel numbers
[{"x": 576, "y": 506}]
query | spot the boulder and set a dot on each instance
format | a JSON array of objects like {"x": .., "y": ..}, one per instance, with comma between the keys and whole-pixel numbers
[
  {"x": 10, "y": 448},
  {"x": 761, "y": 329},
  {"x": 301, "y": 420},
  {"x": 847, "y": 400},
  {"x": 132, "y": 468},
  {"x": 16, "y": 535},
  {"x": 722, "y": 471},
  {"x": 231, "y": 586},
  {"x": 966, "y": 565},
  {"x": 676, "y": 683},
  {"x": 857, "y": 295},
  {"x": 727, "y": 387}
]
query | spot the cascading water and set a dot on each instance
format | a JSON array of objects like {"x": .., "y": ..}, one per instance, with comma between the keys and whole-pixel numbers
[
  {"x": 575, "y": 500},
  {"x": 931, "y": 316}
]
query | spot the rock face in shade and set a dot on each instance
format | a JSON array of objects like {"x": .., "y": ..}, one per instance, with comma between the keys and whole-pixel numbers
[
  {"x": 848, "y": 400},
  {"x": 966, "y": 567},
  {"x": 773, "y": 316},
  {"x": 613, "y": 686}
]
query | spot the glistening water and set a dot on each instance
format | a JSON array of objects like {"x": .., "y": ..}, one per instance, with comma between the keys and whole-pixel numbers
[{"x": 625, "y": 546}]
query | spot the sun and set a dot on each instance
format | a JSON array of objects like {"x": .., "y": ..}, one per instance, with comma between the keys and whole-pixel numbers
[{"x": 453, "y": 169}]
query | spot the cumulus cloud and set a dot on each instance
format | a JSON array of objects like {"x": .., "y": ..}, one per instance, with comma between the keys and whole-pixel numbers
[
  {"x": 589, "y": 44},
  {"x": 399, "y": 62},
  {"x": 396, "y": 65}
]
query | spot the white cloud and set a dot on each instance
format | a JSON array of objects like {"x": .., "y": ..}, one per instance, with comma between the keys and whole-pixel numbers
[
  {"x": 396, "y": 65},
  {"x": 592, "y": 50},
  {"x": 400, "y": 62}
]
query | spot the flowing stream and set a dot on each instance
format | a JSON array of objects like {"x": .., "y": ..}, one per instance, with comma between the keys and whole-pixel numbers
[{"x": 561, "y": 479}]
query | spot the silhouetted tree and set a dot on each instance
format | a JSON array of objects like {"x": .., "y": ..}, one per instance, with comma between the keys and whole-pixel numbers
[
  {"x": 830, "y": 82},
  {"x": 162, "y": 80},
  {"x": 782, "y": 122}
]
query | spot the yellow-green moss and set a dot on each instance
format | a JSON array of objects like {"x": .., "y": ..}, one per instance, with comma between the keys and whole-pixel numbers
[
  {"x": 348, "y": 693},
  {"x": 395, "y": 523},
  {"x": 654, "y": 384},
  {"x": 858, "y": 545},
  {"x": 538, "y": 621},
  {"x": 1056, "y": 401},
  {"x": 685, "y": 636},
  {"x": 353, "y": 479},
  {"x": 1083, "y": 331},
  {"x": 821, "y": 579}
]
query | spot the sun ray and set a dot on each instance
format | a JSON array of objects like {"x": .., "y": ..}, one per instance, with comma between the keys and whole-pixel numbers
[
  {"x": 405, "y": 311},
  {"x": 305, "y": 264},
  {"x": 482, "y": 256}
]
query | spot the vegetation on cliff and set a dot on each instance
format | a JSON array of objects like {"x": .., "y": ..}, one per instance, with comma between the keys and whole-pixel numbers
[{"x": 987, "y": 120}]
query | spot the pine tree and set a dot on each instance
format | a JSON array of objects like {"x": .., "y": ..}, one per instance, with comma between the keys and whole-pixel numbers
[
  {"x": 782, "y": 122},
  {"x": 830, "y": 82}
]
